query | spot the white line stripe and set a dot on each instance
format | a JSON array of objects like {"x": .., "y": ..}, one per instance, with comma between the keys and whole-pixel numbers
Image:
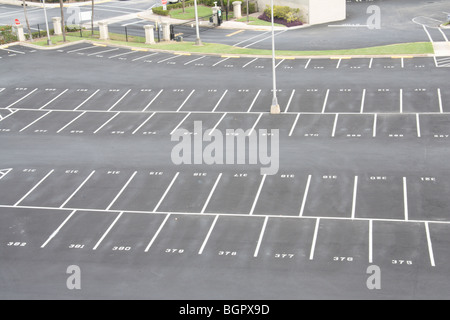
[
  {"x": 217, "y": 124},
  {"x": 370, "y": 63},
  {"x": 121, "y": 191},
  {"x": 107, "y": 231},
  {"x": 131, "y": 23},
  {"x": 441, "y": 108},
  {"x": 307, "y": 64},
  {"x": 429, "y": 36},
  {"x": 339, "y": 64},
  {"x": 257, "y": 194},
  {"x": 3, "y": 118},
  {"x": 261, "y": 236},
  {"x": 313, "y": 246},
  {"x": 208, "y": 235},
  {"x": 189, "y": 62},
  {"x": 325, "y": 101},
  {"x": 419, "y": 134},
  {"x": 355, "y": 194},
  {"x": 290, "y": 100},
  {"x": 401, "y": 100},
  {"x": 254, "y": 126},
  {"x": 246, "y": 40},
  {"x": 167, "y": 59},
  {"x": 211, "y": 193},
  {"x": 157, "y": 233},
  {"x": 59, "y": 229},
  {"x": 370, "y": 241},
  {"x": 436, "y": 62},
  {"x": 78, "y": 189},
  {"x": 85, "y": 48},
  {"x": 103, "y": 125},
  {"x": 86, "y": 100},
  {"x": 150, "y": 103},
  {"x": 105, "y": 51},
  {"x": 53, "y": 99},
  {"x": 118, "y": 101},
  {"x": 405, "y": 198},
  {"x": 2, "y": 89},
  {"x": 146, "y": 56},
  {"x": 336, "y": 118},
  {"x": 143, "y": 123},
  {"x": 34, "y": 188},
  {"x": 403, "y": 63},
  {"x": 254, "y": 101},
  {"x": 215, "y": 64},
  {"x": 181, "y": 122},
  {"x": 430, "y": 245},
  {"x": 166, "y": 192},
  {"x": 375, "y": 120},
  {"x": 279, "y": 63},
  {"x": 26, "y": 127},
  {"x": 186, "y": 100},
  {"x": 305, "y": 196},
  {"x": 72, "y": 121},
  {"x": 443, "y": 34},
  {"x": 293, "y": 126},
  {"x": 122, "y": 54},
  {"x": 251, "y": 44},
  {"x": 24, "y": 97},
  {"x": 248, "y": 63},
  {"x": 363, "y": 101},
  {"x": 220, "y": 100}
]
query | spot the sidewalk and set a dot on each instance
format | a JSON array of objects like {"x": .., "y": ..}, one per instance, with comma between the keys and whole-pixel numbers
[{"x": 441, "y": 49}]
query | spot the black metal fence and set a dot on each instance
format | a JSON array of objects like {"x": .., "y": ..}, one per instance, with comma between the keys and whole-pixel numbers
[{"x": 188, "y": 29}]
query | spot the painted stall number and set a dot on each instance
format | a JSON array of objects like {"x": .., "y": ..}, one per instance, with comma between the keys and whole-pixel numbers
[
  {"x": 227, "y": 253},
  {"x": 174, "y": 251},
  {"x": 16, "y": 244},
  {"x": 402, "y": 262},
  {"x": 71, "y": 171},
  {"x": 240, "y": 175},
  {"x": 148, "y": 133},
  {"x": 311, "y": 135},
  {"x": 29, "y": 170},
  {"x": 154, "y": 173},
  {"x": 113, "y": 172},
  {"x": 200, "y": 174},
  {"x": 428, "y": 179},
  {"x": 329, "y": 177},
  {"x": 76, "y": 246},
  {"x": 121, "y": 248},
  {"x": 343, "y": 259},
  {"x": 284, "y": 256},
  {"x": 373, "y": 178},
  {"x": 288, "y": 176}
]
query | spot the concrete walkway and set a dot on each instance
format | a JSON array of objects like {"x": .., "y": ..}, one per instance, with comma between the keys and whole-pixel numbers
[{"x": 441, "y": 49}]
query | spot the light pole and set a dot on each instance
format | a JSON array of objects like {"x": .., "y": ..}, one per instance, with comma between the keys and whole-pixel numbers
[
  {"x": 275, "y": 107},
  {"x": 49, "y": 40},
  {"x": 198, "y": 42}
]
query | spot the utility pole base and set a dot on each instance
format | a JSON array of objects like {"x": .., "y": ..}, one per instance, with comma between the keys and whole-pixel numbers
[
  {"x": 198, "y": 42},
  {"x": 275, "y": 109}
]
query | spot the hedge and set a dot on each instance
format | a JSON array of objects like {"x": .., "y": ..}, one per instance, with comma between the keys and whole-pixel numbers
[
  {"x": 283, "y": 12},
  {"x": 6, "y": 35},
  {"x": 208, "y": 3}
]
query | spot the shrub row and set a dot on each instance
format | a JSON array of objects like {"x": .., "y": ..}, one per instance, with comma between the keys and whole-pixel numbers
[
  {"x": 284, "y": 15},
  {"x": 208, "y": 3},
  {"x": 6, "y": 35}
]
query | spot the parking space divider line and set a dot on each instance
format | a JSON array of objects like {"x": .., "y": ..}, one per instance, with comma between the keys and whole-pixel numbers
[
  {"x": 215, "y": 64},
  {"x": 430, "y": 245},
  {"x": 375, "y": 120},
  {"x": 3, "y": 118},
  {"x": 336, "y": 118},
  {"x": 313, "y": 246},
  {"x": 89, "y": 98},
  {"x": 2, "y": 89},
  {"x": 363, "y": 101},
  {"x": 370, "y": 63},
  {"x": 419, "y": 134},
  {"x": 428, "y": 34},
  {"x": 59, "y": 229},
  {"x": 118, "y": 101},
  {"x": 189, "y": 62},
  {"x": 441, "y": 108},
  {"x": 211, "y": 193},
  {"x": 325, "y": 101},
  {"x": 290, "y": 100},
  {"x": 24, "y": 97},
  {"x": 246, "y": 40},
  {"x": 401, "y": 100},
  {"x": 339, "y": 64},
  {"x": 294, "y": 124},
  {"x": 208, "y": 235},
  {"x": 355, "y": 194},
  {"x": 248, "y": 63},
  {"x": 72, "y": 121},
  {"x": 403, "y": 62},
  {"x": 78, "y": 189},
  {"x": 121, "y": 54},
  {"x": 186, "y": 100},
  {"x": 405, "y": 198},
  {"x": 150, "y": 103},
  {"x": 167, "y": 59},
  {"x": 146, "y": 56},
  {"x": 220, "y": 100},
  {"x": 254, "y": 126},
  {"x": 103, "y": 125},
  {"x": 107, "y": 231},
  {"x": 258, "y": 194},
  {"x": 34, "y": 188},
  {"x": 279, "y": 63},
  {"x": 443, "y": 34},
  {"x": 261, "y": 236},
  {"x": 143, "y": 123},
  {"x": 254, "y": 101},
  {"x": 436, "y": 62},
  {"x": 122, "y": 190},
  {"x": 35, "y": 121},
  {"x": 179, "y": 125},
  {"x": 217, "y": 124},
  {"x": 305, "y": 196},
  {"x": 307, "y": 64},
  {"x": 105, "y": 51},
  {"x": 81, "y": 49},
  {"x": 59, "y": 95},
  {"x": 157, "y": 233},
  {"x": 166, "y": 192},
  {"x": 370, "y": 241}
]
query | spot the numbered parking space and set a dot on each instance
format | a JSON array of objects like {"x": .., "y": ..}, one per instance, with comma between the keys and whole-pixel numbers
[
  {"x": 204, "y": 100},
  {"x": 397, "y": 126},
  {"x": 440, "y": 244},
  {"x": 19, "y": 120},
  {"x": 382, "y": 101},
  {"x": 282, "y": 123},
  {"x": 241, "y": 100},
  {"x": 160, "y": 123},
  {"x": 344, "y": 100},
  {"x": 87, "y": 123},
  {"x": 421, "y": 100},
  {"x": 70, "y": 100},
  {"x": 264, "y": 100},
  {"x": 136, "y": 100},
  {"x": 435, "y": 126},
  {"x": 170, "y": 100},
  {"x": 314, "y": 126},
  {"x": 237, "y": 121},
  {"x": 49, "y": 122},
  {"x": 104, "y": 100},
  {"x": 12, "y": 97},
  {"x": 386, "y": 64},
  {"x": 354, "y": 126},
  {"x": 123, "y": 123},
  {"x": 307, "y": 100},
  {"x": 355, "y": 64}
]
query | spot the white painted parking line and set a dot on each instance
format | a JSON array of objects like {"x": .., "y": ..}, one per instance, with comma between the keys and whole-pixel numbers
[
  {"x": 263, "y": 39},
  {"x": 355, "y": 194},
  {"x": 363, "y": 101},
  {"x": 12, "y": 112},
  {"x": 419, "y": 134},
  {"x": 122, "y": 54},
  {"x": 105, "y": 51},
  {"x": 254, "y": 101},
  {"x": 58, "y": 229},
  {"x": 313, "y": 246},
  {"x": 325, "y": 101},
  {"x": 34, "y": 188},
  {"x": 107, "y": 231},
  {"x": 289, "y": 102},
  {"x": 166, "y": 192},
  {"x": 118, "y": 101},
  {"x": 10, "y": 50},
  {"x": 78, "y": 189},
  {"x": 217, "y": 124},
  {"x": 157, "y": 233},
  {"x": 211, "y": 193},
  {"x": 336, "y": 118},
  {"x": 294, "y": 124},
  {"x": 89, "y": 98},
  {"x": 370, "y": 241},
  {"x": 217, "y": 63},
  {"x": 248, "y": 63},
  {"x": 375, "y": 120},
  {"x": 143, "y": 123},
  {"x": 72, "y": 121},
  {"x": 436, "y": 62},
  {"x": 257, "y": 194},
  {"x": 81, "y": 49},
  {"x": 167, "y": 59},
  {"x": 430, "y": 245},
  {"x": 307, "y": 64},
  {"x": 428, "y": 34},
  {"x": 189, "y": 62},
  {"x": 121, "y": 191},
  {"x": 339, "y": 64},
  {"x": 108, "y": 121},
  {"x": 1, "y": 89},
  {"x": 405, "y": 198},
  {"x": 208, "y": 235},
  {"x": 131, "y": 23},
  {"x": 261, "y": 236},
  {"x": 181, "y": 122},
  {"x": 29, "y": 125},
  {"x": 279, "y": 63},
  {"x": 305, "y": 196},
  {"x": 54, "y": 99},
  {"x": 443, "y": 34},
  {"x": 403, "y": 62},
  {"x": 255, "y": 124},
  {"x": 143, "y": 57},
  {"x": 401, "y": 100},
  {"x": 246, "y": 40},
  {"x": 441, "y": 108},
  {"x": 370, "y": 63},
  {"x": 24, "y": 97},
  {"x": 186, "y": 100},
  {"x": 4, "y": 172},
  {"x": 150, "y": 103},
  {"x": 220, "y": 100}
]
